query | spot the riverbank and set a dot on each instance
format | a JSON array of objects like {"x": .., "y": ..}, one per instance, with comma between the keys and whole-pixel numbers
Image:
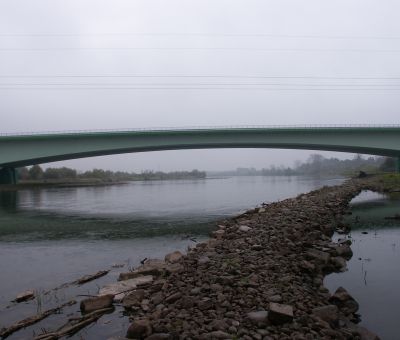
[
  {"x": 217, "y": 279},
  {"x": 259, "y": 277}
]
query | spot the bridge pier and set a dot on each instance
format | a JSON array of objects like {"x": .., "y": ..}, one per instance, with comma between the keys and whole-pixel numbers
[
  {"x": 8, "y": 176},
  {"x": 397, "y": 164}
]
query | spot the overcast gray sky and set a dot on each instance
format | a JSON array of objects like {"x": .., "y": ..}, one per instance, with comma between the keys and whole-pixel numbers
[{"x": 71, "y": 65}]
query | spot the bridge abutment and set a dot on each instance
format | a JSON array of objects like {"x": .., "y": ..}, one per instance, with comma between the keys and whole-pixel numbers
[{"x": 8, "y": 175}]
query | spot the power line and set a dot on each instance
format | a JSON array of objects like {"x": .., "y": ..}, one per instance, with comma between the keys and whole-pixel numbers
[
  {"x": 246, "y": 49},
  {"x": 200, "y": 88},
  {"x": 196, "y": 84},
  {"x": 198, "y": 76},
  {"x": 210, "y": 35}
]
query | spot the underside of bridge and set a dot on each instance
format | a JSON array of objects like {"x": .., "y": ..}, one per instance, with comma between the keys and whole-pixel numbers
[{"x": 25, "y": 150}]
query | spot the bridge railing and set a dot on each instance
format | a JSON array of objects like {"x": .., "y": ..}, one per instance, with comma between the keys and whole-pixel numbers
[{"x": 200, "y": 128}]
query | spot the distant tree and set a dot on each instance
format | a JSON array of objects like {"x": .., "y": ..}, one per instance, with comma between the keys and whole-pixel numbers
[
  {"x": 23, "y": 173},
  {"x": 36, "y": 172},
  {"x": 388, "y": 165}
]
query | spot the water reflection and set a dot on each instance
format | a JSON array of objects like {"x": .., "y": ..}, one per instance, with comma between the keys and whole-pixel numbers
[{"x": 373, "y": 275}]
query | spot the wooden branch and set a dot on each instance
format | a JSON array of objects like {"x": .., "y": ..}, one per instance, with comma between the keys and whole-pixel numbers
[
  {"x": 71, "y": 327},
  {"x": 5, "y": 332}
]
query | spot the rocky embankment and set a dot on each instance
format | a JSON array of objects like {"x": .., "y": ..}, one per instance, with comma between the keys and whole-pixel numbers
[{"x": 259, "y": 277}]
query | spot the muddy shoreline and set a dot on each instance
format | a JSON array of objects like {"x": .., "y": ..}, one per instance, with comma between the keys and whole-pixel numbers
[{"x": 259, "y": 277}]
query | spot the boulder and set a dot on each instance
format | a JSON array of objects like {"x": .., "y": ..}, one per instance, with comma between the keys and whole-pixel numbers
[
  {"x": 344, "y": 301},
  {"x": 120, "y": 289},
  {"x": 329, "y": 313},
  {"x": 139, "y": 329},
  {"x": 279, "y": 314},
  {"x": 173, "y": 257},
  {"x": 95, "y": 303},
  {"x": 344, "y": 250},
  {"x": 133, "y": 298}
]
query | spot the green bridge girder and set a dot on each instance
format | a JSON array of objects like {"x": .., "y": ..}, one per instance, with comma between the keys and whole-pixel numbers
[{"x": 29, "y": 149}]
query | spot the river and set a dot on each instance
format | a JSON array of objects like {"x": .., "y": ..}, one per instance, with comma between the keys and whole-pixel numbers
[{"x": 56, "y": 235}]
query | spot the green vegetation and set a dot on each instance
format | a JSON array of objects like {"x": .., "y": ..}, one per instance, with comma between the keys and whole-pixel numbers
[{"x": 36, "y": 173}]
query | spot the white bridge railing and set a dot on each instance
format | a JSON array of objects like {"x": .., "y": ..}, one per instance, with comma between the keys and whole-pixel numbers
[{"x": 200, "y": 128}]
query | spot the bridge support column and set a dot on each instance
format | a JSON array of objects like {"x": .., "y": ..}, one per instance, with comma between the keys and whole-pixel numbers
[{"x": 8, "y": 176}]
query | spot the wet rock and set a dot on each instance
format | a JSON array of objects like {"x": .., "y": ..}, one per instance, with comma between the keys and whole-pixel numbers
[
  {"x": 279, "y": 314},
  {"x": 339, "y": 263},
  {"x": 139, "y": 329},
  {"x": 173, "y": 257},
  {"x": 366, "y": 334},
  {"x": 329, "y": 313},
  {"x": 25, "y": 296},
  {"x": 95, "y": 303},
  {"x": 344, "y": 250},
  {"x": 133, "y": 298},
  {"x": 120, "y": 289},
  {"x": 318, "y": 255},
  {"x": 344, "y": 301}
]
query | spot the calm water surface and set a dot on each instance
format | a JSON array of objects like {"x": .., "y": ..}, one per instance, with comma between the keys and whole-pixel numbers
[
  {"x": 373, "y": 276},
  {"x": 52, "y": 236}
]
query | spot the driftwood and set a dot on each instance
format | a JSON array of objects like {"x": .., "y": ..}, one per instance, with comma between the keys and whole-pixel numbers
[
  {"x": 84, "y": 279},
  {"x": 74, "y": 325},
  {"x": 88, "y": 278},
  {"x": 5, "y": 332}
]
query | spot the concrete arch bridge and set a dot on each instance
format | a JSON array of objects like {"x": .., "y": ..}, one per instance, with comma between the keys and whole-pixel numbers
[{"x": 25, "y": 149}]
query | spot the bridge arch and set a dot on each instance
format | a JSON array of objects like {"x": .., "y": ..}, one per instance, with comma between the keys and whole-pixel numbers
[{"x": 29, "y": 149}]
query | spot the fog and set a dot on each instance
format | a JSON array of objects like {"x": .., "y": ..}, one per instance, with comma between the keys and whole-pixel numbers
[{"x": 77, "y": 65}]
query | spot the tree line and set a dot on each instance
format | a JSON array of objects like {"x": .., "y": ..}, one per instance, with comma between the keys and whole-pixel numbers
[
  {"x": 317, "y": 165},
  {"x": 36, "y": 173}
]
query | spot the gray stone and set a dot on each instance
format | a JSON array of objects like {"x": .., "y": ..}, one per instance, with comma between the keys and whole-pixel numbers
[
  {"x": 134, "y": 298},
  {"x": 173, "y": 257},
  {"x": 329, "y": 313},
  {"x": 280, "y": 314},
  {"x": 95, "y": 303},
  {"x": 203, "y": 260},
  {"x": 258, "y": 317},
  {"x": 244, "y": 228},
  {"x": 344, "y": 301},
  {"x": 139, "y": 329}
]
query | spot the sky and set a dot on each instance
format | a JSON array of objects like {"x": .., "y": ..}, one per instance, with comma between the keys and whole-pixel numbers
[{"x": 95, "y": 64}]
